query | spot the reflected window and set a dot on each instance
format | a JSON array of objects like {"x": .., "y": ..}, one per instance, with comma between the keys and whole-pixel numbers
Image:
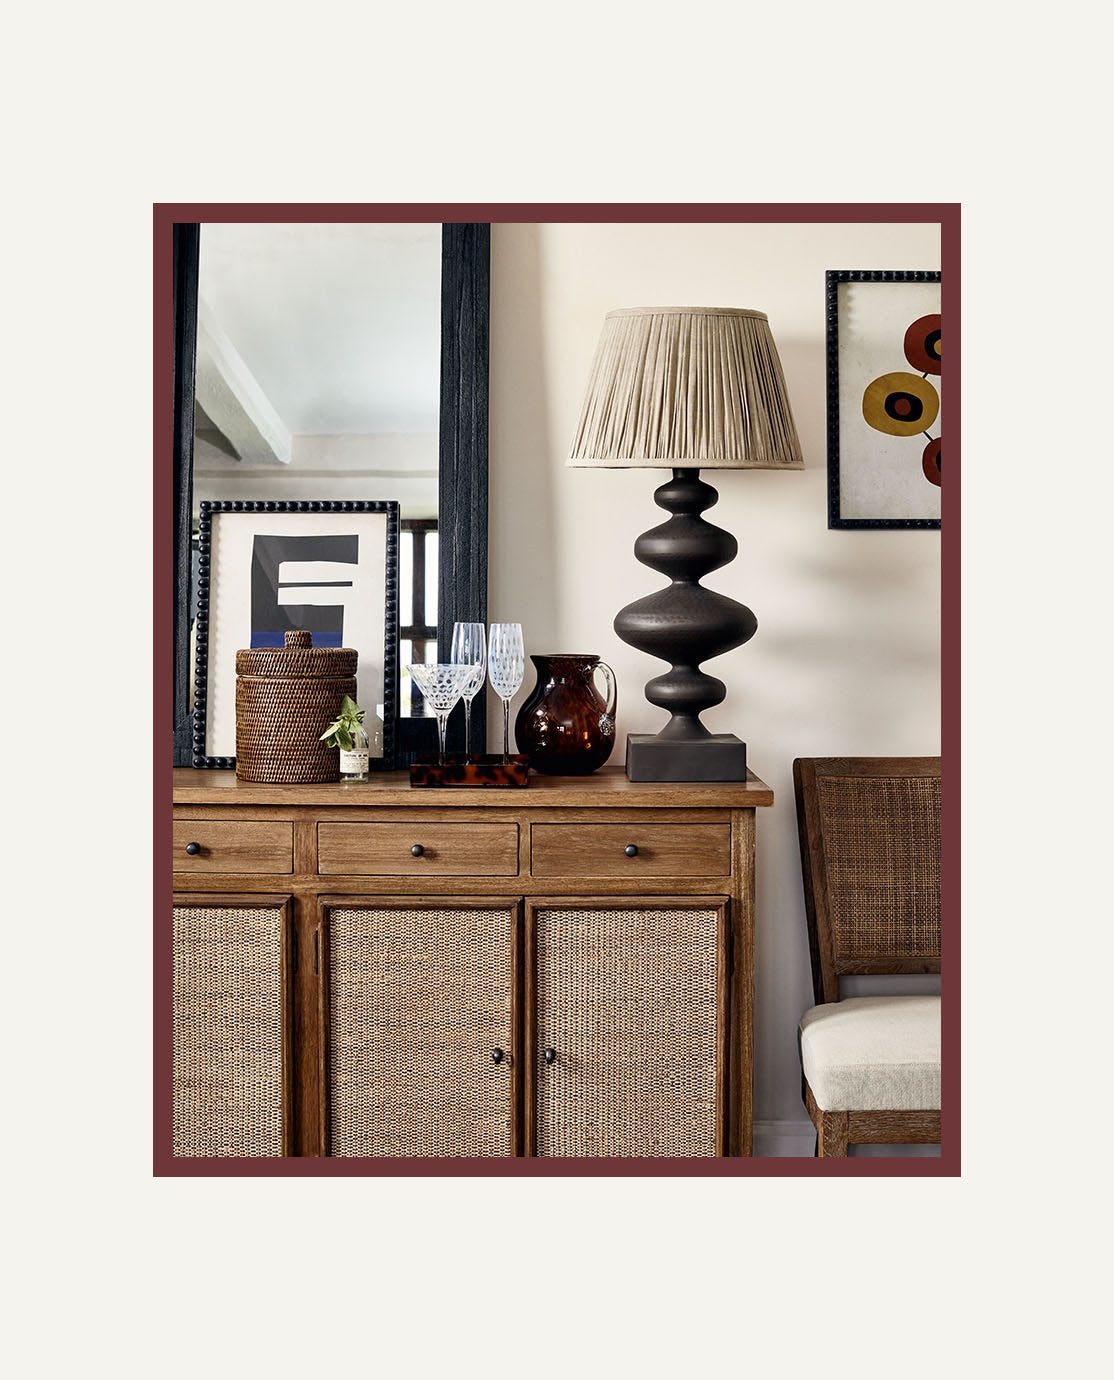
[{"x": 417, "y": 605}]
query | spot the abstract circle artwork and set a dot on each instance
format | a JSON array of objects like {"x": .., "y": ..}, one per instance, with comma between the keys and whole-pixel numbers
[
  {"x": 904, "y": 404},
  {"x": 885, "y": 398}
]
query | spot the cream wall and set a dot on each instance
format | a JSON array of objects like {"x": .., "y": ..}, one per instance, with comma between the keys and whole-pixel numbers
[{"x": 846, "y": 657}]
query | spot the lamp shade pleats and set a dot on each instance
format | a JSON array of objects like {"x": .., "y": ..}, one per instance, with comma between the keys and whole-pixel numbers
[{"x": 687, "y": 387}]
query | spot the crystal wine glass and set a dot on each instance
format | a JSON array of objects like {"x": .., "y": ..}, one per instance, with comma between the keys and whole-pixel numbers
[
  {"x": 441, "y": 683},
  {"x": 469, "y": 649},
  {"x": 505, "y": 666}
]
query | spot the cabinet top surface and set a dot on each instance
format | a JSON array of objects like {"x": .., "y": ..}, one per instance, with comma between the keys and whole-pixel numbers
[{"x": 606, "y": 788}]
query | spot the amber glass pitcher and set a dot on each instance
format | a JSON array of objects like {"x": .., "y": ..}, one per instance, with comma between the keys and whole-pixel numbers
[{"x": 567, "y": 728}]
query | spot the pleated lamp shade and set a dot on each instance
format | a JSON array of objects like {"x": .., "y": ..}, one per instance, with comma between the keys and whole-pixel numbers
[{"x": 687, "y": 387}]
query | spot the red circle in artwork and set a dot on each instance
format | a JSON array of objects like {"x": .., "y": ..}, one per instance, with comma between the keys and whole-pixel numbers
[
  {"x": 922, "y": 344},
  {"x": 902, "y": 406},
  {"x": 930, "y": 461}
]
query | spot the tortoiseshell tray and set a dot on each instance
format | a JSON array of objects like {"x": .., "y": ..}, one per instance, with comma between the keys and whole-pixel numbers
[{"x": 476, "y": 770}]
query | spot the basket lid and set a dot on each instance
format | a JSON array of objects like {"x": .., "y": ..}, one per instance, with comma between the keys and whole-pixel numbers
[{"x": 297, "y": 659}]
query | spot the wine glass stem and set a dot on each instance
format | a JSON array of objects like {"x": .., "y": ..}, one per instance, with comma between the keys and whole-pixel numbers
[
  {"x": 506, "y": 729},
  {"x": 441, "y": 721},
  {"x": 467, "y": 726}
]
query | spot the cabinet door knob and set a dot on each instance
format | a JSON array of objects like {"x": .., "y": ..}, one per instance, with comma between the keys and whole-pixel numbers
[
  {"x": 497, "y": 1056},
  {"x": 550, "y": 1056},
  {"x": 193, "y": 849},
  {"x": 417, "y": 851},
  {"x": 631, "y": 850}
]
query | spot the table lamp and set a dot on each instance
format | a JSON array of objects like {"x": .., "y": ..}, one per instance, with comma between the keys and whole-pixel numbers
[{"x": 686, "y": 389}]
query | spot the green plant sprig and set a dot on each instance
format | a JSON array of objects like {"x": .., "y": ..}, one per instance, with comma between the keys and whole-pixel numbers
[{"x": 341, "y": 733}]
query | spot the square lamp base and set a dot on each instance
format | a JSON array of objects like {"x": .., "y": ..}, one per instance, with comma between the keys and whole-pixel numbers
[{"x": 722, "y": 757}]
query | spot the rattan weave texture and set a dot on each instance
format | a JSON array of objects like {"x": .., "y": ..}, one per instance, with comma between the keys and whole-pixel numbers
[
  {"x": 627, "y": 998},
  {"x": 418, "y": 1000},
  {"x": 297, "y": 660},
  {"x": 279, "y": 724},
  {"x": 228, "y": 1031},
  {"x": 881, "y": 839},
  {"x": 285, "y": 699}
]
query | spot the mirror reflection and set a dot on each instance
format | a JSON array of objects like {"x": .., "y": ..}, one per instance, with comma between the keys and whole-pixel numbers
[{"x": 318, "y": 377}]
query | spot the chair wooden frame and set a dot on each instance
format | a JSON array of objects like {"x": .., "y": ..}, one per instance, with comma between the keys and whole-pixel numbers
[{"x": 835, "y": 1131}]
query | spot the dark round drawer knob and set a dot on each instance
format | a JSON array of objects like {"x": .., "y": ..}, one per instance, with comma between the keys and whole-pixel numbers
[
  {"x": 497, "y": 1056},
  {"x": 631, "y": 850},
  {"x": 550, "y": 1056},
  {"x": 417, "y": 851},
  {"x": 193, "y": 849}
]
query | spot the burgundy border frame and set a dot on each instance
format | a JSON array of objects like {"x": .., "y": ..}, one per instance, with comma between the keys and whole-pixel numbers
[{"x": 947, "y": 215}]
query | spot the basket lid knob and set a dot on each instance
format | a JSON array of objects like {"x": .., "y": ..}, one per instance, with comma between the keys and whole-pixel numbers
[{"x": 299, "y": 639}]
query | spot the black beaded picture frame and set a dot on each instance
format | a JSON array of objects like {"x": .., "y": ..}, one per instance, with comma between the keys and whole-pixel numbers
[
  {"x": 874, "y": 485},
  {"x": 325, "y": 619}
]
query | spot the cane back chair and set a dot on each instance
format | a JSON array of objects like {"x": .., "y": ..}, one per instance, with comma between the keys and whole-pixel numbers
[{"x": 869, "y": 830}]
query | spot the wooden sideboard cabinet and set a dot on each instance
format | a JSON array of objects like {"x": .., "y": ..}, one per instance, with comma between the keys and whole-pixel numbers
[{"x": 370, "y": 969}]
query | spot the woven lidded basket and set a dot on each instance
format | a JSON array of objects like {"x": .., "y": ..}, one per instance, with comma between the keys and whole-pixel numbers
[{"x": 286, "y": 697}]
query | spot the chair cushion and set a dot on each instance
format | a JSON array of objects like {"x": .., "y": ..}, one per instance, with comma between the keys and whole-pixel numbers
[{"x": 870, "y": 1054}]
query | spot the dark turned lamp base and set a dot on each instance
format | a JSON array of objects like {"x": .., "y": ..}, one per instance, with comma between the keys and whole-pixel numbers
[
  {"x": 685, "y": 624},
  {"x": 719, "y": 757}
]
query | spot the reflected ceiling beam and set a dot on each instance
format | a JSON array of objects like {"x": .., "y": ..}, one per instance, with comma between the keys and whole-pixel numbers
[{"x": 233, "y": 398}]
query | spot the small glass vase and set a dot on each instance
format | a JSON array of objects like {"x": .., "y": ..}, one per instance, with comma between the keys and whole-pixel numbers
[{"x": 354, "y": 764}]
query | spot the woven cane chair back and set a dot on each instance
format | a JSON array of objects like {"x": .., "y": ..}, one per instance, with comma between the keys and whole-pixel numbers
[{"x": 869, "y": 831}]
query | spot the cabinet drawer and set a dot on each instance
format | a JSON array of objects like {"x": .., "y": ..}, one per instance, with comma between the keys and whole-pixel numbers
[
  {"x": 446, "y": 850},
  {"x": 661, "y": 850},
  {"x": 233, "y": 845}
]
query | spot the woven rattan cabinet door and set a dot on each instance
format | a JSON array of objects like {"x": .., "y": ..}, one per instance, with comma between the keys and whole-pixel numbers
[
  {"x": 231, "y": 1060},
  {"x": 419, "y": 1016},
  {"x": 627, "y": 1011}
]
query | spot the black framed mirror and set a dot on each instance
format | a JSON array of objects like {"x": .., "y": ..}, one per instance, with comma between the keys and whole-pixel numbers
[{"x": 455, "y": 542}]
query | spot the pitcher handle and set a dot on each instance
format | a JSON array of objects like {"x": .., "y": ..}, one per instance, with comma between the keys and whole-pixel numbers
[{"x": 611, "y": 695}]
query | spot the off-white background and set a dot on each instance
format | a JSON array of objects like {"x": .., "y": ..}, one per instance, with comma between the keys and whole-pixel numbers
[
  {"x": 846, "y": 656},
  {"x": 999, "y": 1270}
]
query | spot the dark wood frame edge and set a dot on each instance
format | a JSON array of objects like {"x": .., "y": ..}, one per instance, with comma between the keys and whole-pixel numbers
[
  {"x": 463, "y": 473},
  {"x": 186, "y": 239},
  {"x": 825, "y": 982}
]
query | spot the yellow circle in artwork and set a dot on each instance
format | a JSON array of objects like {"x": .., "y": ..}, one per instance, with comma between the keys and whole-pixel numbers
[{"x": 900, "y": 404}]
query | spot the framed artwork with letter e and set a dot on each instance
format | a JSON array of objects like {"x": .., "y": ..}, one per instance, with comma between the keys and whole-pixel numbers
[
  {"x": 884, "y": 398},
  {"x": 327, "y": 568}
]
